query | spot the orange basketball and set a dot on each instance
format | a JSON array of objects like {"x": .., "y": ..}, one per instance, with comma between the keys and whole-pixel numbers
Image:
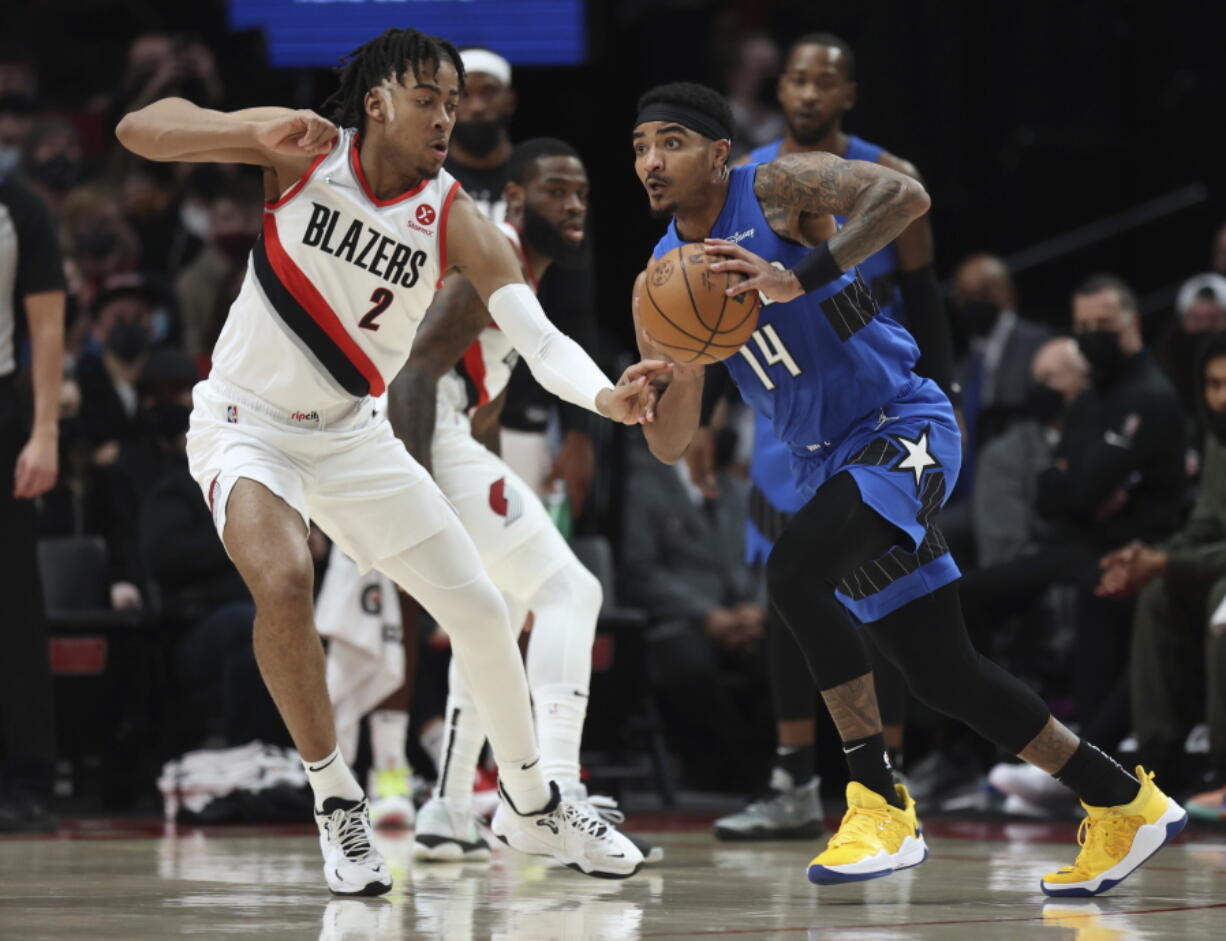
[{"x": 685, "y": 311}]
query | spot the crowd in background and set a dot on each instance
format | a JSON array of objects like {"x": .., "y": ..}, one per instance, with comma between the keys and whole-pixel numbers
[{"x": 1090, "y": 519}]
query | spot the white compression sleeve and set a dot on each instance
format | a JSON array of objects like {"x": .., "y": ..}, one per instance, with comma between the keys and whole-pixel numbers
[{"x": 557, "y": 362}]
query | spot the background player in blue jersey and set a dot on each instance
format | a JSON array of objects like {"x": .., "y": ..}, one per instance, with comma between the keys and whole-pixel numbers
[
  {"x": 876, "y": 449},
  {"x": 815, "y": 89}
]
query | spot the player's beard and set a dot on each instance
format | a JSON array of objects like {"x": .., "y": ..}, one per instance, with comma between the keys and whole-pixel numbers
[
  {"x": 479, "y": 137},
  {"x": 541, "y": 234},
  {"x": 810, "y": 138}
]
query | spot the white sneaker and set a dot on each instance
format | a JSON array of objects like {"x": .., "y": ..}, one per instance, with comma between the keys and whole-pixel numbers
[
  {"x": 391, "y": 798},
  {"x": 352, "y": 865},
  {"x": 446, "y": 835},
  {"x": 570, "y": 833},
  {"x": 1031, "y": 784},
  {"x": 605, "y": 807}
]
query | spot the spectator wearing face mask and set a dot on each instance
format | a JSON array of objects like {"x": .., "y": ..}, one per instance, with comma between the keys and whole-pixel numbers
[
  {"x": 1200, "y": 309},
  {"x": 207, "y": 286},
  {"x": 1178, "y": 635},
  {"x": 52, "y": 161},
  {"x": 994, "y": 376},
  {"x": 97, "y": 238},
  {"x": 1006, "y": 523}
]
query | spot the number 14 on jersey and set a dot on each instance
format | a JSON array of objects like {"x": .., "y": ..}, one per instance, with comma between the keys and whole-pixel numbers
[{"x": 772, "y": 351}]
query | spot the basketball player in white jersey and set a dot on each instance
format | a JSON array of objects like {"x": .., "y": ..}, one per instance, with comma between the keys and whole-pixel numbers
[
  {"x": 284, "y": 430},
  {"x": 461, "y": 358}
]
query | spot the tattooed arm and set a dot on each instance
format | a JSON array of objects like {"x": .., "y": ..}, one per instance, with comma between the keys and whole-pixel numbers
[
  {"x": 455, "y": 319},
  {"x": 798, "y": 194},
  {"x": 877, "y": 202}
]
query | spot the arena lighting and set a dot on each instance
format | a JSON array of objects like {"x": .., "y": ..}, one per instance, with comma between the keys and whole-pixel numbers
[{"x": 316, "y": 33}]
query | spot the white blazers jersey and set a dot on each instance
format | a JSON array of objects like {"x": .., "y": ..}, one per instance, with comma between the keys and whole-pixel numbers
[
  {"x": 486, "y": 367},
  {"x": 336, "y": 285}
]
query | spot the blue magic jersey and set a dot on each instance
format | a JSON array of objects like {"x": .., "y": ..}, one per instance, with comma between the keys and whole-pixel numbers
[
  {"x": 774, "y": 496},
  {"x": 832, "y": 377},
  {"x": 821, "y": 364}
]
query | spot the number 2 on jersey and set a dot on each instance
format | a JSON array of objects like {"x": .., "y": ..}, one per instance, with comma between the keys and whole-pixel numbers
[
  {"x": 382, "y": 299},
  {"x": 773, "y": 351}
]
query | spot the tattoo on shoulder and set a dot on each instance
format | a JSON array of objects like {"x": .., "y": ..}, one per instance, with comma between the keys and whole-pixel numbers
[{"x": 813, "y": 183}]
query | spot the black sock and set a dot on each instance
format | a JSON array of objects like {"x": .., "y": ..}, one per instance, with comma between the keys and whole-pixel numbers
[
  {"x": 1097, "y": 778},
  {"x": 867, "y": 763},
  {"x": 797, "y": 761}
]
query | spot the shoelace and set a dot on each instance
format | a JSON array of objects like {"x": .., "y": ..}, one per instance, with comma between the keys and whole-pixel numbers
[
  {"x": 580, "y": 818},
  {"x": 858, "y": 823},
  {"x": 606, "y": 809},
  {"x": 1110, "y": 835},
  {"x": 351, "y": 832}
]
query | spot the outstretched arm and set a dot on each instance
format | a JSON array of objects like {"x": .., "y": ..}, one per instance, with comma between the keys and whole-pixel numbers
[
  {"x": 454, "y": 320},
  {"x": 877, "y": 202},
  {"x": 280, "y": 138},
  {"x": 557, "y": 362},
  {"x": 678, "y": 397}
]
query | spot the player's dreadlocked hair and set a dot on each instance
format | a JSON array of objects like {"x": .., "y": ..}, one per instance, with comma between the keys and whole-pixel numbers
[{"x": 389, "y": 55}]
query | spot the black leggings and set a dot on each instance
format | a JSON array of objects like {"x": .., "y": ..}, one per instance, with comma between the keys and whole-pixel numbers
[
  {"x": 835, "y": 533},
  {"x": 792, "y": 691}
]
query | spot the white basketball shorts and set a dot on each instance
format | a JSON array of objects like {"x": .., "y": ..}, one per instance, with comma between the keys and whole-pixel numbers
[
  {"x": 519, "y": 545},
  {"x": 342, "y": 468}
]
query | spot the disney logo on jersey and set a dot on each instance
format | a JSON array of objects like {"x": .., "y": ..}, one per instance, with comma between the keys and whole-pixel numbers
[
  {"x": 369, "y": 249},
  {"x": 738, "y": 237}
]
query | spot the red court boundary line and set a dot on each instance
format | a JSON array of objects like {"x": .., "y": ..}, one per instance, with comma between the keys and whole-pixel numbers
[{"x": 712, "y": 932}]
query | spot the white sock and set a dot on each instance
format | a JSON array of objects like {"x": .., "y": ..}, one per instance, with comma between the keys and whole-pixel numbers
[
  {"x": 559, "y": 729},
  {"x": 389, "y": 733},
  {"x": 331, "y": 777}
]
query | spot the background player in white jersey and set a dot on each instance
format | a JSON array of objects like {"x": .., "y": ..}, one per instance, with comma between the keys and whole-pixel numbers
[
  {"x": 465, "y": 361},
  {"x": 284, "y": 430}
]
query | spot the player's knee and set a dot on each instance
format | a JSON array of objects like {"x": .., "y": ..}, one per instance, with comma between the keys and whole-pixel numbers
[
  {"x": 584, "y": 589},
  {"x": 282, "y": 586},
  {"x": 479, "y": 607}
]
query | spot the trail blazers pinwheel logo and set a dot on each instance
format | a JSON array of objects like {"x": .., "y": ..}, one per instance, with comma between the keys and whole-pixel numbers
[{"x": 505, "y": 502}]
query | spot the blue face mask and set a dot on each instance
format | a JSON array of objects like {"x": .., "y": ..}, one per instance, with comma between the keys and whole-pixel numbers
[{"x": 9, "y": 158}]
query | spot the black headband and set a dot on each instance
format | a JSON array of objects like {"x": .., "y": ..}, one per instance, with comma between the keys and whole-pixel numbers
[{"x": 692, "y": 118}]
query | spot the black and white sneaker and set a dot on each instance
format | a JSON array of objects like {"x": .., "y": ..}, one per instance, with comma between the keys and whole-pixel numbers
[
  {"x": 605, "y": 807},
  {"x": 570, "y": 833},
  {"x": 352, "y": 865},
  {"x": 445, "y": 835}
]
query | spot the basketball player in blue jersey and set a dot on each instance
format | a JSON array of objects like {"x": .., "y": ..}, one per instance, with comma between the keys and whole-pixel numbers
[
  {"x": 815, "y": 90},
  {"x": 876, "y": 450}
]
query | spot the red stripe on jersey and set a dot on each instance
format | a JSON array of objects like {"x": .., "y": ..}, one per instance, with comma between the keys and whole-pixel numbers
[
  {"x": 314, "y": 303},
  {"x": 474, "y": 365},
  {"x": 356, "y": 163},
  {"x": 442, "y": 233},
  {"x": 301, "y": 182}
]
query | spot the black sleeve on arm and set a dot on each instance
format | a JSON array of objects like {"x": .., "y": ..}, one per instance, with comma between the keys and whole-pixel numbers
[
  {"x": 39, "y": 265},
  {"x": 921, "y": 296},
  {"x": 717, "y": 385}
]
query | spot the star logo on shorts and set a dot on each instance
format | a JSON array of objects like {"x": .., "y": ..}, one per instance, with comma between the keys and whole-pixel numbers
[{"x": 917, "y": 458}]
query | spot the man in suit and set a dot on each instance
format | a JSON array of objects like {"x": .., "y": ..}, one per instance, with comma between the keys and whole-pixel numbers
[{"x": 684, "y": 565}]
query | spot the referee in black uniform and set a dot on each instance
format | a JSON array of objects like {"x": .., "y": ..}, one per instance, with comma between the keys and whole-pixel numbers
[{"x": 31, "y": 281}]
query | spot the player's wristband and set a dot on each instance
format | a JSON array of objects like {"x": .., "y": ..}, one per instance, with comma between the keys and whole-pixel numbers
[{"x": 817, "y": 268}]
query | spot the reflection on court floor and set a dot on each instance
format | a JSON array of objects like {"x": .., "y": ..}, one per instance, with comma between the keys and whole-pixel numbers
[{"x": 981, "y": 882}]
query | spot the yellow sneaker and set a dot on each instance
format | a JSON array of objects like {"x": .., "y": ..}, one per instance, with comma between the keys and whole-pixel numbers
[
  {"x": 874, "y": 839},
  {"x": 1116, "y": 840},
  {"x": 391, "y": 798}
]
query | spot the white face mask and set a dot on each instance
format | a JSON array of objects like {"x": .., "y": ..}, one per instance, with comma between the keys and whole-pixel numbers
[
  {"x": 9, "y": 158},
  {"x": 195, "y": 219}
]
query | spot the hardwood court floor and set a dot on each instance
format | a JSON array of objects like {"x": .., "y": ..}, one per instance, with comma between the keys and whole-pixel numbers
[{"x": 980, "y": 882}]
